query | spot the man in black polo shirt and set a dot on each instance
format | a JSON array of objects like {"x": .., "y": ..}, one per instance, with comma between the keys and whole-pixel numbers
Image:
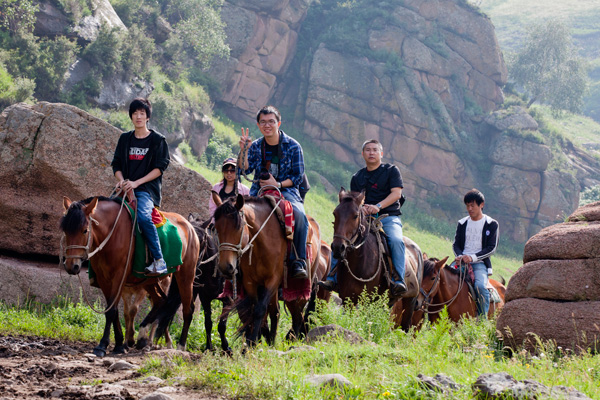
[{"x": 382, "y": 183}]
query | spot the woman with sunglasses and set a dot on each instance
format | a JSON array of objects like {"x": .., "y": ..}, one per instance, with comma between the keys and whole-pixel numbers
[{"x": 227, "y": 187}]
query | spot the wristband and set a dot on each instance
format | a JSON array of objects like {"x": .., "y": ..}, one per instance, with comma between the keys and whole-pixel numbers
[
  {"x": 378, "y": 205},
  {"x": 279, "y": 185}
]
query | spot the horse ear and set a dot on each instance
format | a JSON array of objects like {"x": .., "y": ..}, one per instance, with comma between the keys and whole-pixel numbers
[
  {"x": 341, "y": 194},
  {"x": 441, "y": 264},
  {"x": 361, "y": 197},
  {"x": 239, "y": 201},
  {"x": 66, "y": 203},
  {"x": 216, "y": 198},
  {"x": 191, "y": 218},
  {"x": 90, "y": 208}
]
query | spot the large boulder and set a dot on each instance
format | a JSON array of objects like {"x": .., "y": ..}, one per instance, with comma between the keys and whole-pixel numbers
[
  {"x": 54, "y": 150},
  {"x": 555, "y": 295}
]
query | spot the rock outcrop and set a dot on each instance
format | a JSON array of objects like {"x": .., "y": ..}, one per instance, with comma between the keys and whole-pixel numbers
[
  {"x": 54, "y": 150},
  {"x": 555, "y": 295}
]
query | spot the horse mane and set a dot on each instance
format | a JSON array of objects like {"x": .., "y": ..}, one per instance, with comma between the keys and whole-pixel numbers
[
  {"x": 428, "y": 267},
  {"x": 74, "y": 219},
  {"x": 227, "y": 209}
]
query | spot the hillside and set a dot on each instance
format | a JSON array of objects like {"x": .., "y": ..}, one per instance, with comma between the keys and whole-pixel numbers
[{"x": 512, "y": 17}]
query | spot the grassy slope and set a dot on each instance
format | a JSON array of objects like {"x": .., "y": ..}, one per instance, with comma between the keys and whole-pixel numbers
[{"x": 512, "y": 17}]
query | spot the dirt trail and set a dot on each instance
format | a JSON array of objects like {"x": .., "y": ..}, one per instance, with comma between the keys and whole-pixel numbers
[{"x": 33, "y": 368}]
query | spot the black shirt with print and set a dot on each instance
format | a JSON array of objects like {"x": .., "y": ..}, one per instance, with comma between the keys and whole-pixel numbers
[{"x": 378, "y": 185}]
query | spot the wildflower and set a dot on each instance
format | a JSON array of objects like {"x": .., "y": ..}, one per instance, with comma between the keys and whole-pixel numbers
[{"x": 386, "y": 393}]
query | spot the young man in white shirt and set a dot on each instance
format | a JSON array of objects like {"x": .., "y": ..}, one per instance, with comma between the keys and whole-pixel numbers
[{"x": 475, "y": 241}]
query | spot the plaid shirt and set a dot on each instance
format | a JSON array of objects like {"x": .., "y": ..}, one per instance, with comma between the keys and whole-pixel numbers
[{"x": 291, "y": 166}]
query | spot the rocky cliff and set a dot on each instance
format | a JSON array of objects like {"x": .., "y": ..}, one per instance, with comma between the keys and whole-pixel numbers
[{"x": 437, "y": 111}]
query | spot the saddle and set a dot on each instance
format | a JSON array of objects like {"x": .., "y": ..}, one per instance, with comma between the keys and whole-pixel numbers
[{"x": 411, "y": 278}]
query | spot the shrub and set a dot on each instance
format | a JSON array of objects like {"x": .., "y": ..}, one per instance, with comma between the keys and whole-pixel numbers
[
  {"x": 14, "y": 90},
  {"x": 55, "y": 58}
]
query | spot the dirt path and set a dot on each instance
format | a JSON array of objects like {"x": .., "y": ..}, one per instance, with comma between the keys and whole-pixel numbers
[{"x": 32, "y": 367}]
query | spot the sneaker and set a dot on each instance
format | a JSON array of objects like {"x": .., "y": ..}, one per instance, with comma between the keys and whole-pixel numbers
[
  {"x": 298, "y": 269},
  {"x": 327, "y": 285},
  {"x": 397, "y": 289},
  {"x": 158, "y": 267}
]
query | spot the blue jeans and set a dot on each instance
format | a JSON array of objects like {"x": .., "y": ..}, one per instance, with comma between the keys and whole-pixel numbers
[
  {"x": 483, "y": 295},
  {"x": 144, "y": 211},
  {"x": 392, "y": 227},
  {"x": 300, "y": 227}
]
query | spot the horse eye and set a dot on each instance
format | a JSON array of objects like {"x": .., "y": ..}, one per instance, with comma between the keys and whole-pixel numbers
[
  {"x": 86, "y": 230},
  {"x": 356, "y": 216}
]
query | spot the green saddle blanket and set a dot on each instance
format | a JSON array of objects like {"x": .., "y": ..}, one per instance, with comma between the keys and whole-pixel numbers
[{"x": 170, "y": 244}]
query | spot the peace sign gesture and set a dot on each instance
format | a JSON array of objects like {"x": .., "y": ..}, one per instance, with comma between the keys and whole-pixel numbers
[{"x": 245, "y": 139}]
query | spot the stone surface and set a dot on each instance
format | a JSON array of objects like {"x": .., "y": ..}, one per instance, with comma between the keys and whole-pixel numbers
[
  {"x": 563, "y": 280},
  {"x": 54, "y": 150},
  {"x": 102, "y": 14},
  {"x": 589, "y": 212},
  {"x": 333, "y": 331},
  {"x": 121, "y": 365},
  {"x": 570, "y": 240},
  {"x": 328, "y": 380},
  {"x": 439, "y": 383},
  {"x": 515, "y": 118},
  {"x": 117, "y": 92},
  {"x": 571, "y": 325},
  {"x": 520, "y": 153}
]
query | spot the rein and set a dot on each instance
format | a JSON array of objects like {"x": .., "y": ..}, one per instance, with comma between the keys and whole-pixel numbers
[
  {"x": 89, "y": 255},
  {"x": 433, "y": 291}
]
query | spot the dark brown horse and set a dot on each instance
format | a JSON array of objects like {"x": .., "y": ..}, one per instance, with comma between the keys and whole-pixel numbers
[
  {"x": 207, "y": 286},
  {"x": 252, "y": 242},
  {"x": 362, "y": 265},
  {"x": 445, "y": 287},
  {"x": 94, "y": 228}
]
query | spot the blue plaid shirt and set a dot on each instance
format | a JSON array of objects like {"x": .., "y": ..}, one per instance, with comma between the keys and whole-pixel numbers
[{"x": 291, "y": 166}]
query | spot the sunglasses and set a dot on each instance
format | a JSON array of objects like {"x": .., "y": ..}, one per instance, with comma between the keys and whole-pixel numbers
[{"x": 229, "y": 170}]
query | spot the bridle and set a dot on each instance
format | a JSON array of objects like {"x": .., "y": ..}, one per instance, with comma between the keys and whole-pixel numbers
[
  {"x": 87, "y": 255},
  {"x": 239, "y": 248},
  {"x": 357, "y": 233},
  {"x": 434, "y": 289}
]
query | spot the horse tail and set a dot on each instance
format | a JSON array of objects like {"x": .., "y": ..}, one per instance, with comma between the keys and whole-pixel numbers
[
  {"x": 168, "y": 310},
  {"x": 502, "y": 280}
]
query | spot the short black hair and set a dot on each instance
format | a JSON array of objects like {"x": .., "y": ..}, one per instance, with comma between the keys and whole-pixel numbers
[
  {"x": 268, "y": 110},
  {"x": 140, "y": 104},
  {"x": 474, "y": 195}
]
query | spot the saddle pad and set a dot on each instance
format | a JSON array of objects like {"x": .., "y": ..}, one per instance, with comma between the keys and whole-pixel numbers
[
  {"x": 285, "y": 214},
  {"x": 494, "y": 295}
]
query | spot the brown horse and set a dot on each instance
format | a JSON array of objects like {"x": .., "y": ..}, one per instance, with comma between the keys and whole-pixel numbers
[
  {"x": 361, "y": 264},
  {"x": 252, "y": 242},
  {"x": 445, "y": 287},
  {"x": 94, "y": 229}
]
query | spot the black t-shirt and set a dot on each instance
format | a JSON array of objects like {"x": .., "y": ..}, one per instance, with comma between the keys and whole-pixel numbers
[
  {"x": 272, "y": 155},
  {"x": 138, "y": 162},
  {"x": 378, "y": 185},
  {"x": 224, "y": 195}
]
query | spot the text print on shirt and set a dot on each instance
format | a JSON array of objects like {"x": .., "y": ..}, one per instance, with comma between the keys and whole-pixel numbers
[{"x": 136, "y": 153}]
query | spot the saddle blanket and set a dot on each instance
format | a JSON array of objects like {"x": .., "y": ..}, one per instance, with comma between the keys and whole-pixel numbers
[{"x": 170, "y": 244}]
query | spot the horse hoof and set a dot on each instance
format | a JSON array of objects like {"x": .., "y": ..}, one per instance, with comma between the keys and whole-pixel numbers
[
  {"x": 120, "y": 350},
  {"x": 141, "y": 343},
  {"x": 228, "y": 351},
  {"x": 99, "y": 352}
]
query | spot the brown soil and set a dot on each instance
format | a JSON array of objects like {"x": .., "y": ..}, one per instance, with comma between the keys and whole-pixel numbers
[{"x": 34, "y": 368}]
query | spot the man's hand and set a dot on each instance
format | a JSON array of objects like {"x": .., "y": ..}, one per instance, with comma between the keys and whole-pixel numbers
[
  {"x": 463, "y": 259},
  {"x": 271, "y": 181},
  {"x": 245, "y": 139},
  {"x": 371, "y": 209}
]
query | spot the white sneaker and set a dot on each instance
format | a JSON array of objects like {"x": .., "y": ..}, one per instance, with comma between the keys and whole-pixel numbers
[{"x": 158, "y": 267}]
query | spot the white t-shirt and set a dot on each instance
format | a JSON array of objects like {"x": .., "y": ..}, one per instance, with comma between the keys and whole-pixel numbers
[{"x": 473, "y": 237}]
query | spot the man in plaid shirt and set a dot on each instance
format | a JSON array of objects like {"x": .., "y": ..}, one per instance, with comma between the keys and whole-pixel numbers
[{"x": 277, "y": 160}]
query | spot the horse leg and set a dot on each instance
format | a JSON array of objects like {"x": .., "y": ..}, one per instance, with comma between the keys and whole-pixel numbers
[
  {"x": 408, "y": 305},
  {"x": 261, "y": 302},
  {"x": 188, "y": 313},
  {"x": 295, "y": 307},
  {"x": 208, "y": 325},
  {"x": 127, "y": 309},
  {"x": 222, "y": 327},
  {"x": 274, "y": 316},
  {"x": 310, "y": 308},
  {"x": 118, "y": 331},
  {"x": 100, "y": 350},
  {"x": 148, "y": 325}
]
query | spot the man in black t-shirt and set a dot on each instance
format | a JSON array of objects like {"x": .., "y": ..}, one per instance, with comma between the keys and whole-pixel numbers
[
  {"x": 141, "y": 157},
  {"x": 382, "y": 184}
]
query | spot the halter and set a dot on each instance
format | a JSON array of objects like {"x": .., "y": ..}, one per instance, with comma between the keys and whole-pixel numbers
[
  {"x": 426, "y": 304},
  {"x": 359, "y": 231}
]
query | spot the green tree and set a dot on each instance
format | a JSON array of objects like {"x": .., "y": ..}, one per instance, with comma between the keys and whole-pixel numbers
[
  {"x": 549, "y": 69},
  {"x": 17, "y": 16}
]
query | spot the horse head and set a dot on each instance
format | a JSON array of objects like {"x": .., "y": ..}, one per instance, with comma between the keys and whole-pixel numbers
[
  {"x": 230, "y": 226},
  {"x": 432, "y": 268},
  {"x": 77, "y": 238},
  {"x": 348, "y": 217}
]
